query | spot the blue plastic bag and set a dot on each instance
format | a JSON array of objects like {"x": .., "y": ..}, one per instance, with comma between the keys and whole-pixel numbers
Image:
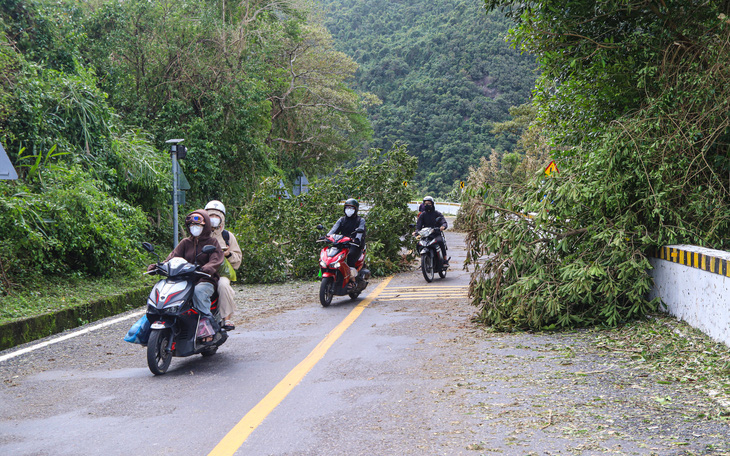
[{"x": 139, "y": 333}]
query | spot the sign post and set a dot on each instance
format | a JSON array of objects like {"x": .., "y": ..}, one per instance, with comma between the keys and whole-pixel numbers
[
  {"x": 177, "y": 152},
  {"x": 7, "y": 172}
]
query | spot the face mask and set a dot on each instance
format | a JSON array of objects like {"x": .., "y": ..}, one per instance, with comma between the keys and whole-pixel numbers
[
  {"x": 349, "y": 212},
  {"x": 429, "y": 208},
  {"x": 195, "y": 230},
  {"x": 215, "y": 222}
]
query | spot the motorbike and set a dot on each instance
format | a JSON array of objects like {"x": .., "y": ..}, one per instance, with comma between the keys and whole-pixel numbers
[
  {"x": 177, "y": 328},
  {"x": 336, "y": 272},
  {"x": 432, "y": 260}
]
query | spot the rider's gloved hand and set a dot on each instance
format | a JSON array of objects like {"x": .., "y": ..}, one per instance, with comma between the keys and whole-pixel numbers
[
  {"x": 356, "y": 242},
  {"x": 151, "y": 267}
]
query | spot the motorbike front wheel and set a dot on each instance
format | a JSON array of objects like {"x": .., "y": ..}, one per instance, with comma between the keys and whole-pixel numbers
[
  {"x": 326, "y": 290},
  {"x": 427, "y": 266},
  {"x": 158, "y": 356}
]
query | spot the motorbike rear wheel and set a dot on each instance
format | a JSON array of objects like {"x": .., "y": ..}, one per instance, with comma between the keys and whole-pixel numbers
[
  {"x": 326, "y": 291},
  {"x": 427, "y": 266},
  {"x": 158, "y": 357}
]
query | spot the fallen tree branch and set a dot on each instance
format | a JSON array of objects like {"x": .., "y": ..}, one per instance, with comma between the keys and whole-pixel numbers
[{"x": 560, "y": 236}]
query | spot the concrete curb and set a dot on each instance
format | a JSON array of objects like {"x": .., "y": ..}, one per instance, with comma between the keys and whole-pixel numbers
[{"x": 26, "y": 330}]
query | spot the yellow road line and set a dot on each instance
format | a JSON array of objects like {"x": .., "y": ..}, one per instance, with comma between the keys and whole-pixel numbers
[
  {"x": 426, "y": 287},
  {"x": 406, "y": 298},
  {"x": 410, "y": 296},
  {"x": 423, "y": 293},
  {"x": 240, "y": 432}
]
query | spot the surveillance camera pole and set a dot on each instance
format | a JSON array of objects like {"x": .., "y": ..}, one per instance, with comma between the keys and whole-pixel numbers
[{"x": 175, "y": 190}]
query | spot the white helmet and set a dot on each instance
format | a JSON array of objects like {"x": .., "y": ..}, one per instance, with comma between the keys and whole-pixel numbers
[{"x": 217, "y": 205}]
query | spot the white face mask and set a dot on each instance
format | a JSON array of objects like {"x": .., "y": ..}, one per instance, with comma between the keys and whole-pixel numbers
[
  {"x": 215, "y": 222},
  {"x": 349, "y": 212},
  {"x": 195, "y": 230}
]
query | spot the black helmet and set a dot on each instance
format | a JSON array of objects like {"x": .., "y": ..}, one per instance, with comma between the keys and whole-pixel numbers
[
  {"x": 429, "y": 207},
  {"x": 352, "y": 202}
]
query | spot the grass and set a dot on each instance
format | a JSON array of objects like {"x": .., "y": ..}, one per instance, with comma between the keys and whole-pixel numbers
[{"x": 57, "y": 293}]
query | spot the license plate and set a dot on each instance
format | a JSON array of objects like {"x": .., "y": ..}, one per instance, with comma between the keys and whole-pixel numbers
[{"x": 158, "y": 325}]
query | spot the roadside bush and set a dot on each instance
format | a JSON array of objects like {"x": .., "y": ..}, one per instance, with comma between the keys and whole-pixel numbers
[
  {"x": 281, "y": 232},
  {"x": 68, "y": 225}
]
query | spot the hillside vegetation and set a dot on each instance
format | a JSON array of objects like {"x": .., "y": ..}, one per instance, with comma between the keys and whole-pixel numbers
[
  {"x": 90, "y": 92},
  {"x": 444, "y": 74},
  {"x": 633, "y": 104}
]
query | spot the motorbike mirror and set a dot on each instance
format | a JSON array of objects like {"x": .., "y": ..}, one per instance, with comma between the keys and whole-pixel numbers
[
  {"x": 411, "y": 225},
  {"x": 208, "y": 249},
  {"x": 320, "y": 227},
  {"x": 150, "y": 248},
  {"x": 360, "y": 230}
]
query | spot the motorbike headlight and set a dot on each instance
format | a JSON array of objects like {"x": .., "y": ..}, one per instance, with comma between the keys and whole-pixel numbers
[
  {"x": 323, "y": 264},
  {"x": 173, "y": 307},
  {"x": 336, "y": 265}
]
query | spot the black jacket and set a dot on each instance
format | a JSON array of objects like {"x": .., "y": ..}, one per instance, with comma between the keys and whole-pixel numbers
[
  {"x": 348, "y": 225},
  {"x": 432, "y": 219}
]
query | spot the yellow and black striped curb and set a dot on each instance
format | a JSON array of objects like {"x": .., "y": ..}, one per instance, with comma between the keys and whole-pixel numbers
[{"x": 697, "y": 260}]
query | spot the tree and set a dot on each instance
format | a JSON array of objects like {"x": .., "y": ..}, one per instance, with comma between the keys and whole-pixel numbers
[
  {"x": 632, "y": 101},
  {"x": 317, "y": 121}
]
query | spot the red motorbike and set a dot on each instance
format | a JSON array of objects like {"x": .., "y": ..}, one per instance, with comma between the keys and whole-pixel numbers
[{"x": 336, "y": 272}]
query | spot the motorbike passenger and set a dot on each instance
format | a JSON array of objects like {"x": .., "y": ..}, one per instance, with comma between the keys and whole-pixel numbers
[
  {"x": 431, "y": 218},
  {"x": 199, "y": 226},
  {"x": 232, "y": 253},
  {"x": 346, "y": 225}
]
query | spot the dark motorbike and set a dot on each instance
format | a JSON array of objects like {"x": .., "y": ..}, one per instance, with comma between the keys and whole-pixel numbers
[
  {"x": 336, "y": 272},
  {"x": 432, "y": 260},
  {"x": 177, "y": 329}
]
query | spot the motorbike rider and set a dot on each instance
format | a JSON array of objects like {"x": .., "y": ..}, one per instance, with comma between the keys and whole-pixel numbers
[
  {"x": 232, "y": 252},
  {"x": 431, "y": 218},
  {"x": 346, "y": 225},
  {"x": 190, "y": 248}
]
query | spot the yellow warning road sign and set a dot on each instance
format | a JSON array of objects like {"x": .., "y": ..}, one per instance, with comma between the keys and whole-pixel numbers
[{"x": 552, "y": 167}]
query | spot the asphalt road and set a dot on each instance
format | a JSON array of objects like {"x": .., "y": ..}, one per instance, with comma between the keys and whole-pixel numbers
[{"x": 411, "y": 374}]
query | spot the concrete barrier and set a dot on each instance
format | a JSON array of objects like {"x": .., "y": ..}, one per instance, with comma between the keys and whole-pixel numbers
[
  {"x": 694, "y": 284},
  {"x": 443, "y": 207},
  {"x": 18, "y": 332}
]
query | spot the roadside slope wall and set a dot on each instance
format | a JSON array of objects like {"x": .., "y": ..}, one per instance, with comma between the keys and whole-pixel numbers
[{"x": 694, "y": 284}]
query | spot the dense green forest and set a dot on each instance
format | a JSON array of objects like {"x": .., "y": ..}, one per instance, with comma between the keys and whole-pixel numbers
[
  {"x": 445, "y": 75},
  {"x": 90, "y": 92}
]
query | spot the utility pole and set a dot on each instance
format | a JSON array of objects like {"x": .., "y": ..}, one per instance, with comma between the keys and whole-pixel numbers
[{"x": 177, "y": 152}]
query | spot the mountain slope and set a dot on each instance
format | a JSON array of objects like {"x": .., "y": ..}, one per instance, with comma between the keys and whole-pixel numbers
[{"x": 444, "y": 73}]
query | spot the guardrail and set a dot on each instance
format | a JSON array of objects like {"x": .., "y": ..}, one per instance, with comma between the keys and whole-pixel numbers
[
  {"x": 694, "y": 284},
  {"x": 445, "y": 208}
]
